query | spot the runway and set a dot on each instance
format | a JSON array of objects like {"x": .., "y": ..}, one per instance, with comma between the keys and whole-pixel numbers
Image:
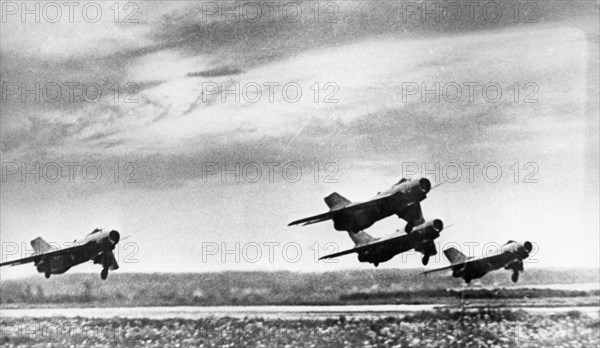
[{"x": 274, "y": 312}]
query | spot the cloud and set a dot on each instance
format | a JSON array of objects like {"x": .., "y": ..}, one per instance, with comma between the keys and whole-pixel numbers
[
  {"x": 185, "y": 67},
  {"x": 173, "y": 114},
  {"x": 176, "y": 125},
  {"x": 221, "y": 71}
]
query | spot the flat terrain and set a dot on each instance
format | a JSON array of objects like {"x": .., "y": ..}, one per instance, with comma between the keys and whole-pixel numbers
[
  {"x": 537, "y": 287},
  {"x": 396, "y": 308},
  {"x": 483, "y": 328},
  {"x": 284, "y": 312}
]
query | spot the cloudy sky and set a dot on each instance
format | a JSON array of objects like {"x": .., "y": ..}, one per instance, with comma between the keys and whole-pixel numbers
[{"x": 212, "y": 133}]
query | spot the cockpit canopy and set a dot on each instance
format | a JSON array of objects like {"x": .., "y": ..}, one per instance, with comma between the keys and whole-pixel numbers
[
  {"x": 97, "y": 230},
  {"x": 401, "y": 181}
]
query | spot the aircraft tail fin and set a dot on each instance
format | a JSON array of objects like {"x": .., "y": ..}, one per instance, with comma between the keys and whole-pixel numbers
[
  {"x": 361, "y": 238},
  {"x": 336, "y": 201},
  {"x": 454, "y": 256},
  {"x": 40, "y": 245}
]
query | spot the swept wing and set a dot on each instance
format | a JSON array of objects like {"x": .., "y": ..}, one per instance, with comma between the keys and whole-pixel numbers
[
  {"x": 374, "y": 244},
  {"x": 38, "y": 257},
  {"x": 501, "y": 259}
]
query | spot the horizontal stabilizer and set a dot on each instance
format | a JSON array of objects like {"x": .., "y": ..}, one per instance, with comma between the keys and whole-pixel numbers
[{"x": 312, "y": 219}]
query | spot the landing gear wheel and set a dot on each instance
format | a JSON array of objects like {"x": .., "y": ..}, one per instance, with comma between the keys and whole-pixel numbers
[
  {"x": 376, "y": 264},
  {"x": 515, "y": 276},
  {"x": 468, "y": 280},
  {"x": 409, "y": 226},
  {"x": 47, "y": 274},
  {"x": 104, "y": 273},
  {"x": 425, "y": 260}
]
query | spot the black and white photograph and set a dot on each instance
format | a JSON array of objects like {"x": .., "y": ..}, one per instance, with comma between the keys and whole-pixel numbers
[{"x": 313, "y": 173}]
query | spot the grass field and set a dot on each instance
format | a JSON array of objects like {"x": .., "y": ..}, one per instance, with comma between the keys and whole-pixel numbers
[
  {"x": 288, "y": 288},
  {"x": 486, "y": 328}
]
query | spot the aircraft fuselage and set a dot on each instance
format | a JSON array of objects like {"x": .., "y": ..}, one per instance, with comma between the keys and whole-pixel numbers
[
  {"x": 396, "y": 201},
  {"x": 421, "y": 240},
  {"x": 93, "y": 246},
  {"x": 510, "y": 257}
]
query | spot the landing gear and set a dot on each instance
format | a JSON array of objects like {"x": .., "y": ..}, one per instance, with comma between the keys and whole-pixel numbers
[
  {"x": 409, "y": 226},
  {"x": 47, "y": 274},
  {"x": 468, "y": 280},
  {"x": 425, "y": 259},
  {"x": 376, "y": 264},
  {"x": 515, "y": 276},
  {"x": 516, "y": 267},
  {"x": 520, "y": 266},
  {"x": 104, "y": 273}
]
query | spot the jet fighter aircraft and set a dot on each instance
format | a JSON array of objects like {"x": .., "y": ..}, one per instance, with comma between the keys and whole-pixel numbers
[
  {"x": 510, "y": 257},
  {"x": 377, "y": 250},
  {"x": 402, "y": 199},
  {"x": 97, "y": 246}
]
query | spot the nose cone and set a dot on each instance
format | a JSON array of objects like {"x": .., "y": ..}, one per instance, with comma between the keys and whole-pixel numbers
[
  {"x": 524, "y": 250},
  {"x": 424, "y": 185},
  {"x": 431, "y": 229},
  {"x": 114, "y": 237}
]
